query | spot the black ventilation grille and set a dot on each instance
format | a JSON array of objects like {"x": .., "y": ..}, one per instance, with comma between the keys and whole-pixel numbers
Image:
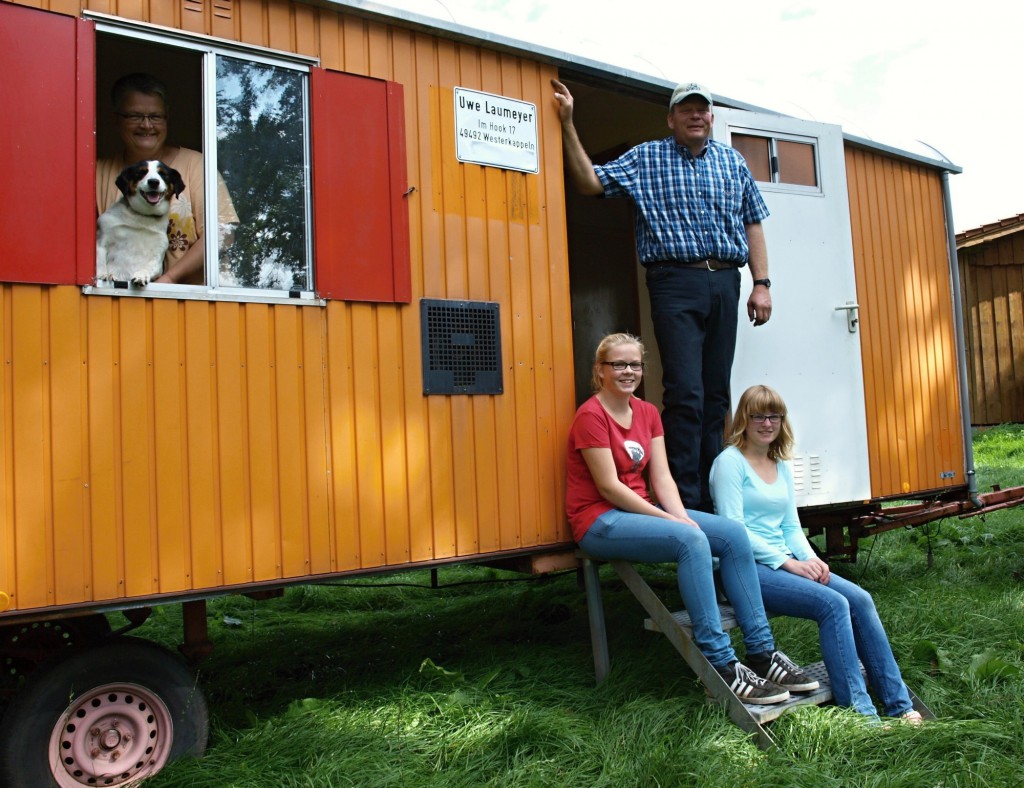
[{"x": 461, "y": 347}]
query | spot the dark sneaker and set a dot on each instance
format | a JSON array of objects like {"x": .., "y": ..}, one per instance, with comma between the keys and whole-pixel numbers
[
  {"x": 780, "y": 670},
  {"x": 751, "y": 688}
]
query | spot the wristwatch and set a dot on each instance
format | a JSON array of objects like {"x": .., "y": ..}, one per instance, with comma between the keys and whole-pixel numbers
[{"x": 766, "y": 282}]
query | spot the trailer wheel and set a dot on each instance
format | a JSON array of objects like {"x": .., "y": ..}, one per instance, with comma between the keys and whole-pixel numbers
[{"x": 107, "y": 715}]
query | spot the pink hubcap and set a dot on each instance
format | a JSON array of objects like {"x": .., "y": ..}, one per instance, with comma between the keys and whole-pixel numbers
[{"x": 111, "y": 735}]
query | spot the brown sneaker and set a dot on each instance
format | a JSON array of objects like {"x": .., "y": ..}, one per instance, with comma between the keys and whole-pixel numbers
[
  {"x": 781, "y": 670},
  {"x": 751, "y": 688}
]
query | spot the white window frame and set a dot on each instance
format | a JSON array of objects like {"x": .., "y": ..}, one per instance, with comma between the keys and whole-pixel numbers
[{"x": 210, "y": 49}]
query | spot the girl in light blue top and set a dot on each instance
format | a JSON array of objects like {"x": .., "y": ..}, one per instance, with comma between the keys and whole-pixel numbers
[{"x": 751, "y": 482}]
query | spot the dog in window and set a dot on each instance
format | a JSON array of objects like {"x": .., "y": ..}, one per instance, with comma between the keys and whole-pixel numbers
[{"x": 131, "y": 235}]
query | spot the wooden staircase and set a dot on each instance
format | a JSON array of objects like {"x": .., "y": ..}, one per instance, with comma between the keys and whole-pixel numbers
[{"x": 676, "y": 627}]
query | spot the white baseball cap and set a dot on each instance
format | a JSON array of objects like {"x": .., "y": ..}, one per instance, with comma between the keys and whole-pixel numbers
[{"x": 686, "y": 89}]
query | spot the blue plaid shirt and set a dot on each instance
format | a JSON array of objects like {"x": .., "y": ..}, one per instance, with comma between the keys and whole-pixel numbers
[{"x": 687, "y": 208}]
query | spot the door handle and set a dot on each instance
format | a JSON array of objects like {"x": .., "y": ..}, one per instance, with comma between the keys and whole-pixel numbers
[{"x": 852, "y": 315}]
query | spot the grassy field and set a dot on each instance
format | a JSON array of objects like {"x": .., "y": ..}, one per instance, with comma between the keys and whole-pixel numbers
[{"x": 487, "y": 679}]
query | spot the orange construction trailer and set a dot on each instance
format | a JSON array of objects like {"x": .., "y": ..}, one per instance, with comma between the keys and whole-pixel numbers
[{"x": 379, "y": 372}]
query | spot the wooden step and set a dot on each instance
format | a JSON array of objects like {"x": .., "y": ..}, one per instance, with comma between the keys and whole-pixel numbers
[{"x": 683, "y": 619}]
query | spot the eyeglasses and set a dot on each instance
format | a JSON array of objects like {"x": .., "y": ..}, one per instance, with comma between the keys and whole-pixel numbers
[
  {"x": 619, "y": 366},
  {"x": 761, "y": 418},
  {"x": 156, "y": 118}
]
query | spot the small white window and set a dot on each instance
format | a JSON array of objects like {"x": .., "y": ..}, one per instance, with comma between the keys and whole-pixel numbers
[{"x": 780, "y": 160}]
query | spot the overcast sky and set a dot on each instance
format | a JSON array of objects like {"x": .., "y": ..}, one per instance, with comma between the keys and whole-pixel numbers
[{"x": 893, "y": 71}]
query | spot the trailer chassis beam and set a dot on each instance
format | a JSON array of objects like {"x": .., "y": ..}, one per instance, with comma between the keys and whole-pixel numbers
[{"x": 843, "y": 528}]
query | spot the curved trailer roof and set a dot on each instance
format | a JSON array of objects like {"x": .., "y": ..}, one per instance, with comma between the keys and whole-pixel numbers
[{"x": 586, "y": 67}]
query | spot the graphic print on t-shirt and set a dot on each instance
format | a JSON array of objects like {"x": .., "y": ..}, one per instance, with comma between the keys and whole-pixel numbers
[{"x": 635, "y": 452}]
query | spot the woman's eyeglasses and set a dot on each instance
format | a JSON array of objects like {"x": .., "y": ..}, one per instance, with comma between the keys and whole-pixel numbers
[
  {"x": 761, "y": 418},
  {"x": 620, "y": 366},
  {"x": 155, "y": 118}
]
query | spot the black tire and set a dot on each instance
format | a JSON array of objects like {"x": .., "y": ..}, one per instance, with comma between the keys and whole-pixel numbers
[{"x": 116, "y": 712}]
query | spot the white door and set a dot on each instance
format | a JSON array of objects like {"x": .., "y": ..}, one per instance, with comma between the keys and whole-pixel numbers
[{"x": 810, "y": 349}]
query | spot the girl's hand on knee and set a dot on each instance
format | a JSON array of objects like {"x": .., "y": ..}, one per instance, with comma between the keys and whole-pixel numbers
[
  {"x": 808, "y": 569},
  {"x": 685, "y": 518},
  {"x": 824, "y": 572}
]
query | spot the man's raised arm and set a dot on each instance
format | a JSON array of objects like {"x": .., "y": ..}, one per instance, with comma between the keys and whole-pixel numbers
[{"x": 577, "y": 162}]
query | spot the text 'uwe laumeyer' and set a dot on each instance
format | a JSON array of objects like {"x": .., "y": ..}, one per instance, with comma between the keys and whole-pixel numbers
[{"x": 502, "y": 112}]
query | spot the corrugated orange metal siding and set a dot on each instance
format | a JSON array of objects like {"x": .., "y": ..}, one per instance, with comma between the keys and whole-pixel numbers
[
  {"x": 992, "y": 285},
  {"x": 907, "y": 336},
  {"x": 156, "y": 446}
]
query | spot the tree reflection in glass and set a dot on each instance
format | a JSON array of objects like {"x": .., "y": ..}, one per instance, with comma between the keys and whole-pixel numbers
[{"x": 260, "y": 144}]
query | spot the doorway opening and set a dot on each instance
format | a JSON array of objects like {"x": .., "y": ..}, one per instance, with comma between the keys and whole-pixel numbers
[{"x": 606, "y": 282}]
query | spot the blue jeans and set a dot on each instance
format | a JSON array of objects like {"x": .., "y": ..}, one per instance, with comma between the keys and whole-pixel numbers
[
  {"x": 849, "y": 629},
  {"x": 695, "y": 313},
  {"x": 641, "y": 537}
]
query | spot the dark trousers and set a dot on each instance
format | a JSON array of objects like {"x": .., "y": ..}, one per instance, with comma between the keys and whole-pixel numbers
[{"x": 695, "y": 315}]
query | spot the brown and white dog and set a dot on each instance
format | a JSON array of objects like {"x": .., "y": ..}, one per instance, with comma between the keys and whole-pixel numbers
[{"x": 131, "y": 235}]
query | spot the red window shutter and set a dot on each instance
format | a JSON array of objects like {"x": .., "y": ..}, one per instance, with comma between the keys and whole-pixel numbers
[
  {"x": 47, "y": 150},
  {"x": 361, "y": 216}
]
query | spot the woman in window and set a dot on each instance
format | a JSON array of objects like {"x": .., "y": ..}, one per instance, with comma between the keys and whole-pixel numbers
[
  {"x": 751, "y": 482},
  {"x": 141, "y": 114},
  {"x": 614, "y": 439}
]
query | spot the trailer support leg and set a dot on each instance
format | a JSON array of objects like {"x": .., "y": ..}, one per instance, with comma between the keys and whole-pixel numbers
[
  {"x": 197, "y": 636},
  {"x": 595, "y": 611}
]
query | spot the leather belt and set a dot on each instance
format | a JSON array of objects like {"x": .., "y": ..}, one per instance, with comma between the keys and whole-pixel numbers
[{"x": 709, "y": 264}]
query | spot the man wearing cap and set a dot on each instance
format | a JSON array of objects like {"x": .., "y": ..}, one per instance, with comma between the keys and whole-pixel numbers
[{"x": 698, "y": 221}]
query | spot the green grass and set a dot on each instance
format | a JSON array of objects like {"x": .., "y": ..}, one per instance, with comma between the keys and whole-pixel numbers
[{"x": 487, "y": 680}]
